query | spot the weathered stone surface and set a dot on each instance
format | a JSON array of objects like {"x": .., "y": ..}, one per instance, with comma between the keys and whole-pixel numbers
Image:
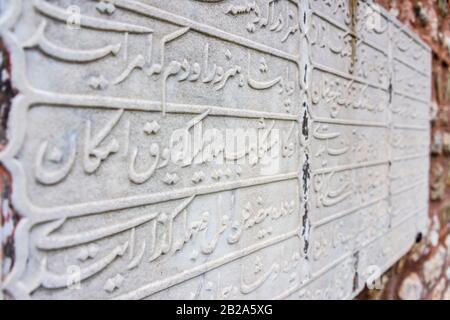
[{"x": 115, "y": 204}]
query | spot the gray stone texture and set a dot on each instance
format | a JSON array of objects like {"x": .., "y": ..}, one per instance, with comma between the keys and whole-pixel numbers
[{"x": 338, "y": 93}]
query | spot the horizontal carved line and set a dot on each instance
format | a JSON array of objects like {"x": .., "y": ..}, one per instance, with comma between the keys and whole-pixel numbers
[
  {"x": 407, "y": 64},
  {"x": 407, "y": 95},
  {"x": 48, "y": 214},
  {"x": 409, "y": 187},
  {"x": 63, "y": 15},
  {"x": 411, "y": 157},
  {"x": 347, "y": 76},
  {"x": 79, "y": 101},
  {"x": 350, "y": 166},
  {"x": 152, "y": 288},
  {"x": 411, "y": 127},
  {"x": 153, "y": 12},
  {"x": 346, "y": 212},
  {"x": 351, "y": 122},
  {"x": 407, "y": 217}
]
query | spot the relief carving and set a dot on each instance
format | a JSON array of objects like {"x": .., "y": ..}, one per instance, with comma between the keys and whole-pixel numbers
[{"x": 235, "y": 150}]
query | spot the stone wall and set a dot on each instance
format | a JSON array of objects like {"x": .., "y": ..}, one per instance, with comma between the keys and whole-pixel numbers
[
  {"x": 425, "y": 272},
  {"x": 416, "y": 276}
]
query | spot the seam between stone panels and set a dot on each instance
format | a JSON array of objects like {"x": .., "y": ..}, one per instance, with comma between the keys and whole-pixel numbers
[
  {"x": 306, "y": 68},
  {"x": 305, "y": 120}
]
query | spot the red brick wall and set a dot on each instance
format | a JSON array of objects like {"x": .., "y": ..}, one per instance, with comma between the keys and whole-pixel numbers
[{"x": 425, "y": 272}]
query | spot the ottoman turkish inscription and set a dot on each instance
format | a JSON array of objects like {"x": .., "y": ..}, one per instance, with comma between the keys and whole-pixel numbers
[{"x": 113, "y": 207}]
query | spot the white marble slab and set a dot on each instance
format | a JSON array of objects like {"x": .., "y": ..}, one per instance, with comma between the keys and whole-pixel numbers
[{"x": 252, "y": 149}]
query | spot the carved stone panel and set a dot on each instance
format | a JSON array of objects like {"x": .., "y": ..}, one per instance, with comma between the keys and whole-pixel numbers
[{"x": 230, "y": 150}]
